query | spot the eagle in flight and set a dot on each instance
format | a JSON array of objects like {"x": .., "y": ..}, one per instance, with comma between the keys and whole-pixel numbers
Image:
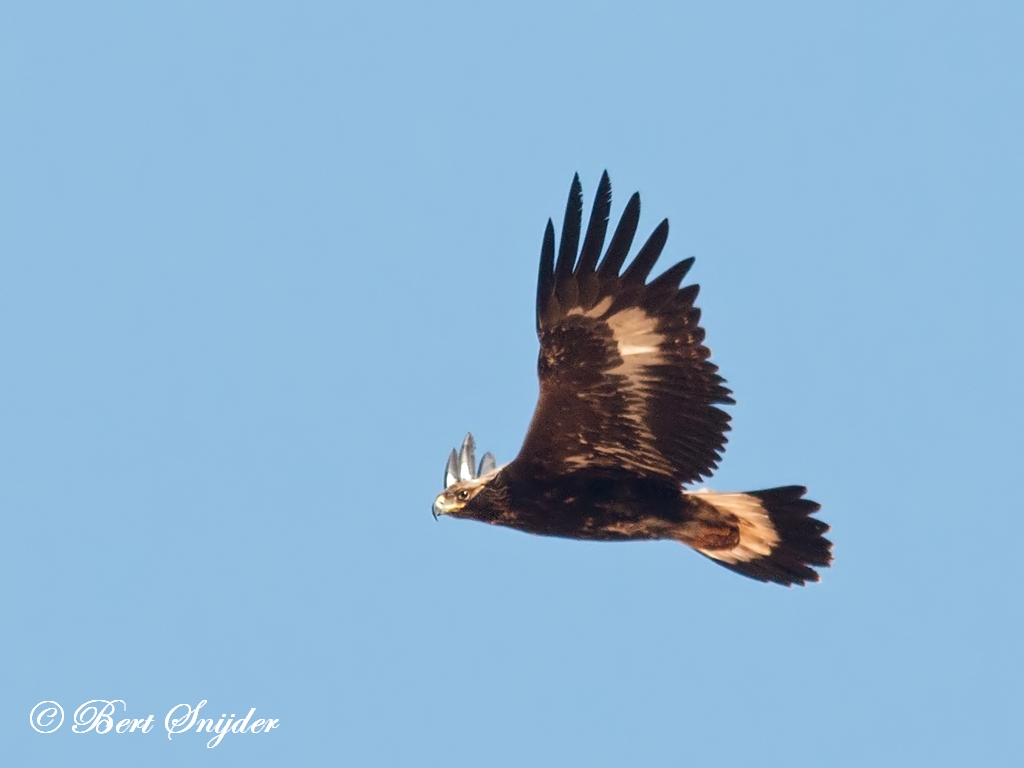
[{"x": 628, "y": 415}]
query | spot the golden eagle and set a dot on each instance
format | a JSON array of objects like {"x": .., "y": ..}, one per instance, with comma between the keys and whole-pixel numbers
[{"x": 627, "y": 416}]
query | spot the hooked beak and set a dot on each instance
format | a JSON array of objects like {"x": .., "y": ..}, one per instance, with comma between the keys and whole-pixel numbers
[
  {"x": 439, "y": 508},
  {"x": 446, "y": 505}
]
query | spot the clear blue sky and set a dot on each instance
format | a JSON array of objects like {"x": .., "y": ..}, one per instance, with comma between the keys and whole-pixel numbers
[{"x": 263, "y": 265}]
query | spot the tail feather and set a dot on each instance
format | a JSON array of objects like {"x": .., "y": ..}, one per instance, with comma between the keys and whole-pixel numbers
[{"x": 778, "y": 539}]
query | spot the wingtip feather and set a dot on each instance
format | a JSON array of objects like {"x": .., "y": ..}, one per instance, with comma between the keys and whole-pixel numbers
[
  {"x": 618, "y": 249},
  {"x": 546, "y": 274},
  {"x": 570, "y": 231},
  {"x": 597, "y": 228}
]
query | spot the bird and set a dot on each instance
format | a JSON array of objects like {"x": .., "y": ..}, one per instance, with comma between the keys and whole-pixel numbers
[{"x": 628, "y": 416}]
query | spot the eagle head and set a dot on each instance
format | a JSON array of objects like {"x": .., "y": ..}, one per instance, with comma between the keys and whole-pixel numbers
[{"x": 463, "y": 479}]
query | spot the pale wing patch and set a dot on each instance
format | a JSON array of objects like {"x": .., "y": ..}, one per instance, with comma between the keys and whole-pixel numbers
[
  {"x": 636, "y": 337},
  {"x": 637, "y": 343},
  {"x": 638, "y": 347},
  {"x": 758, "y": 536},
  {"x": 595, "y": 311}
]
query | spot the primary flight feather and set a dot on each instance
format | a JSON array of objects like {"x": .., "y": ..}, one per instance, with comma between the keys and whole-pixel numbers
[{"x": 627, "y": 415}]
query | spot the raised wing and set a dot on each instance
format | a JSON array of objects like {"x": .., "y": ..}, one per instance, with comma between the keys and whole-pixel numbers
[{"x": 625, "y": 380}]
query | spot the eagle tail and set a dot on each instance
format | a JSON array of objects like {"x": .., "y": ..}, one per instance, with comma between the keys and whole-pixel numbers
[{"x": 778, "y": 539}]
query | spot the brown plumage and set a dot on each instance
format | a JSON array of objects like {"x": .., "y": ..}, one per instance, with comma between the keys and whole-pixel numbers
[{"x": 628, "y": 414}]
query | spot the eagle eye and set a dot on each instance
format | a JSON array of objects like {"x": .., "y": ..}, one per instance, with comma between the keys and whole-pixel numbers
[{"x": 462, "y": 495}]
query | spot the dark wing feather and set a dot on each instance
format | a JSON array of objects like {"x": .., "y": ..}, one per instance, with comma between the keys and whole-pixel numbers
[
  {"x": 598, "y": 226},
  {"x": 636, "y": 273},
  {"x": 625, "y": 380},
  {"x": 570, "y": 233},
  {"x": 618, "y": 248},
  {"x": 586, "y": 275},
  {"x": 546, "y": 276}
]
